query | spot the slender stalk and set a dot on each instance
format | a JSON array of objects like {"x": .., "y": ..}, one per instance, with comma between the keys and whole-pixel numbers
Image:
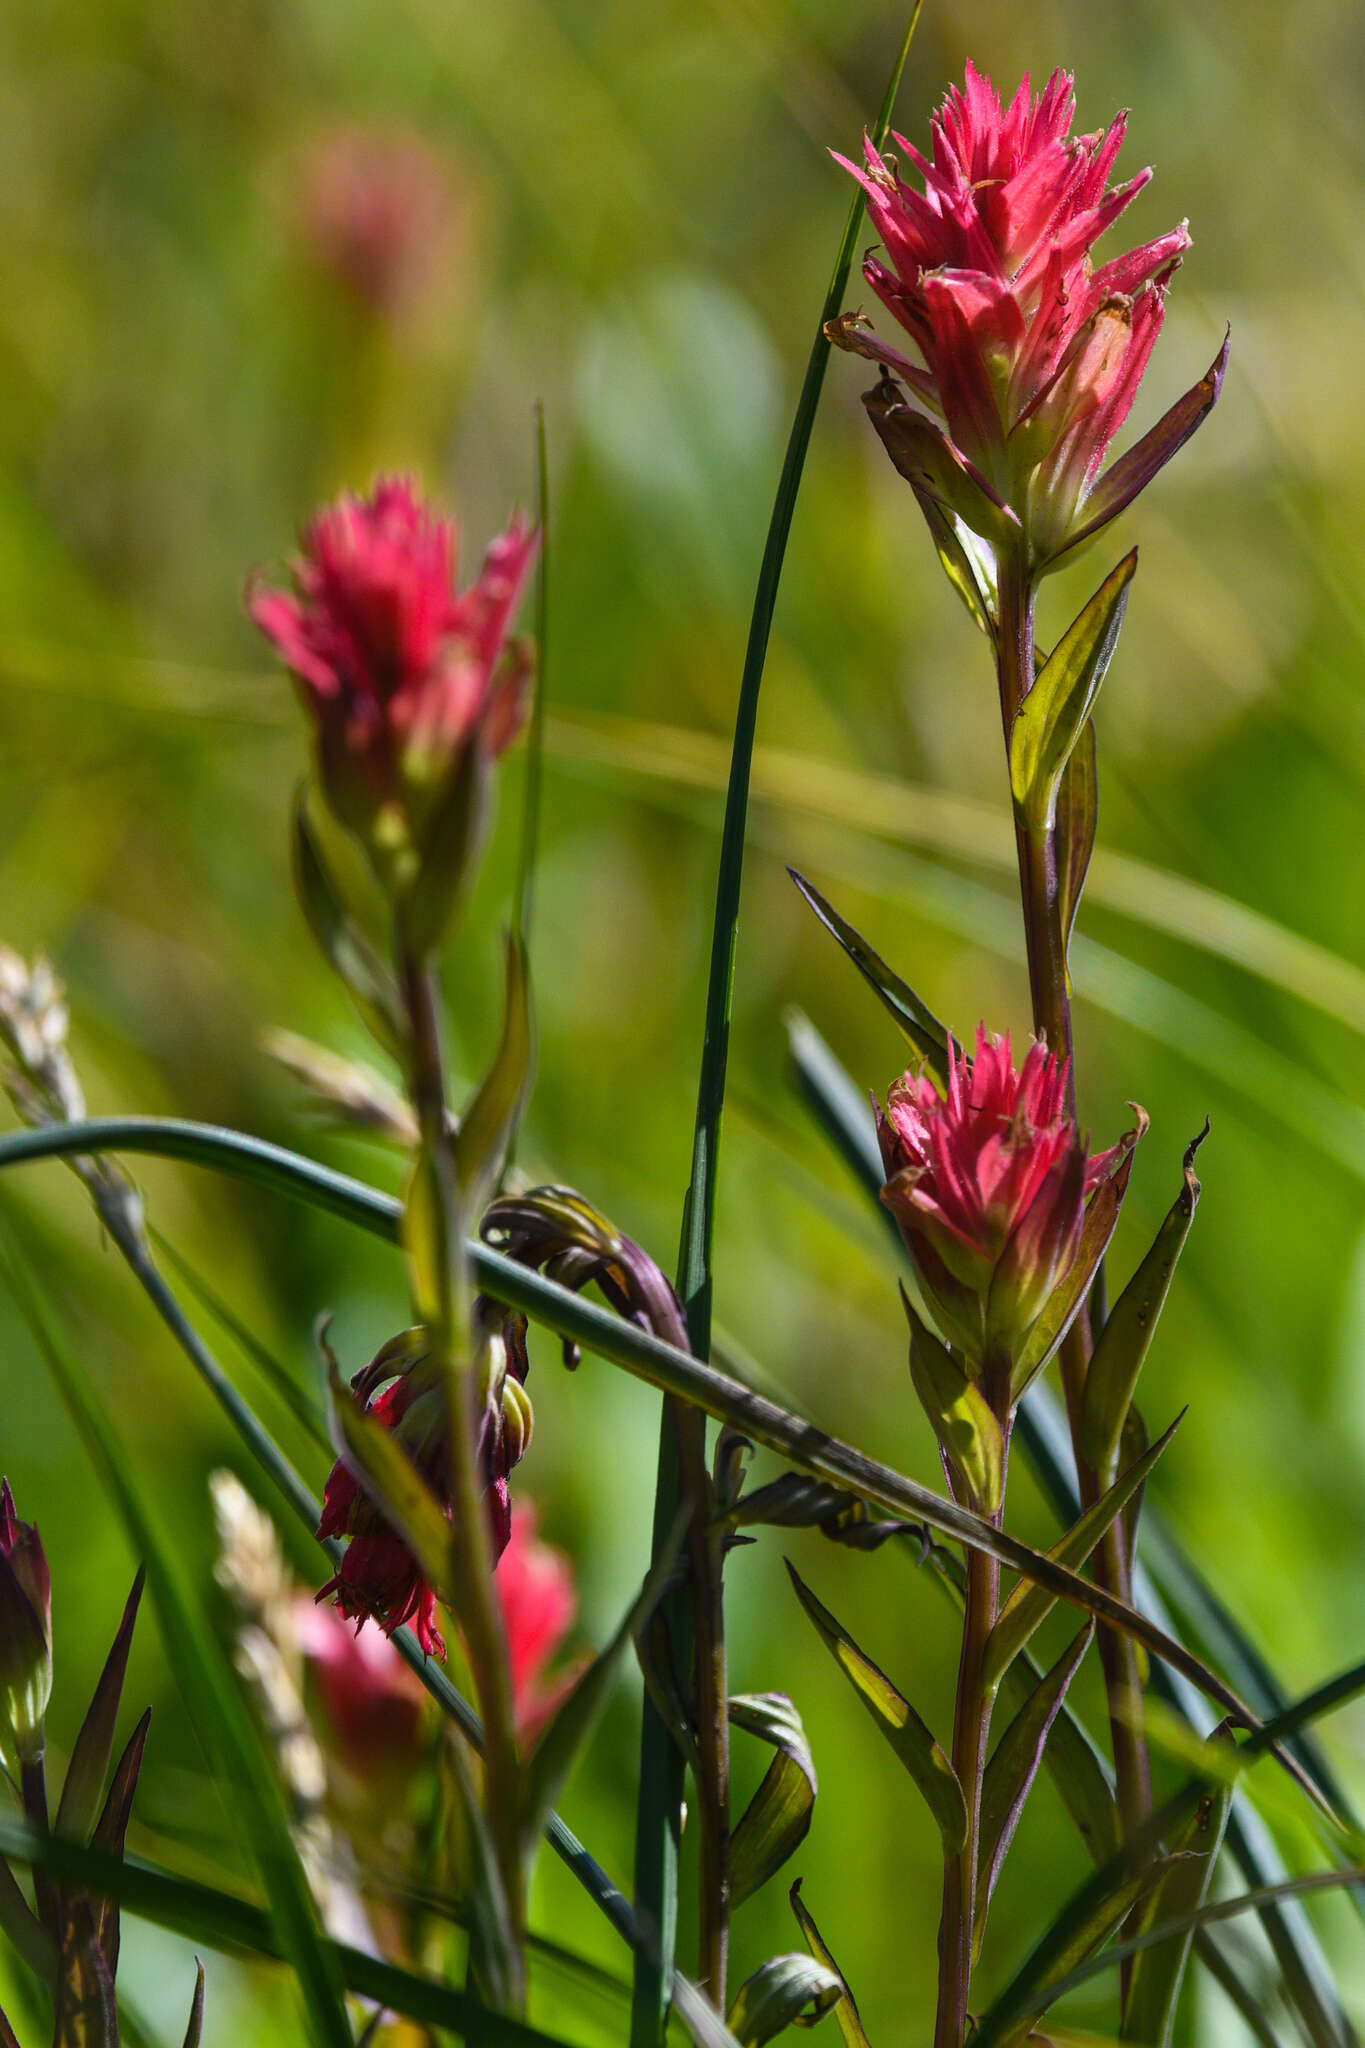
[
  {"x": 484, "y": 1637},
  {"x": 1046, "y": 948},
  {"x": 971, "y": 1734}
]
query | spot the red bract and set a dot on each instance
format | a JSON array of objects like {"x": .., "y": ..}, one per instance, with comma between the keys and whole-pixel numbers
[
  {"x": 1029, "y": 354},
  {"x": 990, "y": 1188},
  {"x": 536, "y": 1594},
  {"x": 379, "y": 1579},
  {"x": 401, "y": 675}
]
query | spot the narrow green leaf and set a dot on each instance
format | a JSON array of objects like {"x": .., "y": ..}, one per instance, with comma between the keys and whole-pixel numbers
[
  {"x": 777, "y": 1819},
  {"x": 896, "y": 1719},
  {"x": 488, "y": 1124},
  {"x": 554, "y": 1755},
  {"x": 201, "y": 1663},
  {"x": 195, "y": 2029},
  {"x": 1081, "y": 1940},
  {"x": 780, "y": 1993},
  {"x": 1077, "y": 819},
  {"x": 364, "y": 975},
  {"x": 1130, "y": 1326},
  {"x": 959, "y": 1414},
  {"x": 1158, "y": 1973},
  {"x": 1013, "y": 1767},
  {"x": 83, "y": 1786},
  {"x": 846, "y": 2015},
  {"x": 1053, "y": 715},
  {"x": 964, "y": 558},
  {"x": 918, "y": 1024},
  {"x": 392, "y": 1482},
  {"x": 1030, "y": 1602}
]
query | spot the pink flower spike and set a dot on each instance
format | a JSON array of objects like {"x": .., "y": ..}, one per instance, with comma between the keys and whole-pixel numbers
[
  {"x": 535, "y": 1590},
  {"x": 990, "y": 271}
]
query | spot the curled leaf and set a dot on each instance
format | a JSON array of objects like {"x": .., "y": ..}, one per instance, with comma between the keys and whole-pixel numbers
[
  {"x": 777, "y": 1818},
  {"x": 783, "y": 1992}
]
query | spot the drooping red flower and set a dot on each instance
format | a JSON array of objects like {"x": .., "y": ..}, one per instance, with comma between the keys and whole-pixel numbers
[
  {"x": 401, "y": 674},
  {"x": 25, "y": 1634},
  {"x": 379, "y": 1579},
  {"x": 1028, "y": 353},
  {"x": 990, "y": 1187},
  {"x": 535, "y": 1589}
]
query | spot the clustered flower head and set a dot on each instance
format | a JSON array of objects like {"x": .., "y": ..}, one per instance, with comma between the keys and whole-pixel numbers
[
  {"x": 990, "y": 1187},
  {"x": 25, "y": 1635},
  {"x": 1028, "y": 353},
  {"x": 407, "y": 681},
  {"x": 379, "y": 1579}
]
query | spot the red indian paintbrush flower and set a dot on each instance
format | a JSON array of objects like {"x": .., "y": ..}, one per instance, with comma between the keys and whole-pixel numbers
[
  {"x": 993, "y": 1192},
  {"x": 1029, "y": 354},
  {"x": 379, "y": 1579},
  {"x": 407, "y": 682},
  {"x": 25, "y": 1635}
]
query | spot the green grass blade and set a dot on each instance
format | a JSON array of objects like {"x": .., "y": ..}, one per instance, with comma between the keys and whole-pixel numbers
[
  {"x": 659, "y": 1807},
  {"x": 204, "y": 1672}
]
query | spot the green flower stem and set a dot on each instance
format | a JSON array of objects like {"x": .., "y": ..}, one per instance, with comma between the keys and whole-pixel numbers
[
  {"x": 971, "y": 1736},
  {"x": 1051, "y": 997},
  {"x": 471, "y": 1554}
]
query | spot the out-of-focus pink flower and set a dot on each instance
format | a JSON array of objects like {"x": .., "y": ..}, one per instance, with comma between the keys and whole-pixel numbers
[
  {"x": 379, "y": 1579},
  {"x": 1028, "y": 353},
  {"x": 536, "y": 1593},
  {"x": 402, "y": 676},
  {"x": 372, "y": 1700},
  {"x": 990, "y": 1187},
  {"x": 25, "y": 1635},
  {"x": 377, "y": 215}
]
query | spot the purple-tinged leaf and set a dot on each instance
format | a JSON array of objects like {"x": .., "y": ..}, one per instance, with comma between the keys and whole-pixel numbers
[
  {"x": 846, "y": 2016},
  {"x": 84, "y": 2013},
  {"x": 111, "y": 1830},
  {"x": 1013, "y": 1767},
  {"x": 1128, "y": 1330},
  {"x": 85, "y": 1774},
  {"x": 1077, "y": 816},
  {"x": 1134, "y": 470},
  {"x": 931, "y": 463},
  {"x": 196, "y": 2025}
]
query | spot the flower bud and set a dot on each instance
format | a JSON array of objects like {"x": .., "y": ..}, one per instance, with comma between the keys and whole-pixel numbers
[
  {"x": 413, "y": 688},
  {"x": 25, "y": 1635},
  {"x": 990, "y": 1189}
]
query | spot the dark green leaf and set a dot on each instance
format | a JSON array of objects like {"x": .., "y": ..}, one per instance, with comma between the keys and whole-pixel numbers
[
  {"x": 781, "y": 1992},
  {"x": 776, "y": 1821},
  {"x": 896, "y": 1719},
  {"x": 1030, "y": 1602},
  {"x": 917, "y": 1022},
  {"x": 83, "y": 1787},
  {"x": 846, "y": 2016},
  {"x": 1130, "y": 1326},
  {"x": 1053, "y": 715},
  {"x": 1013, "y": 1767},
  {"x": 959, "y": 1414},
  {"x": 1082, "y": 1938},
  {"x": 355, "y": 960},
  {"x": 1154, "y": 1987},
  {"x": 795, "y": 1500},
  {"x": 21, "y": 1926}
]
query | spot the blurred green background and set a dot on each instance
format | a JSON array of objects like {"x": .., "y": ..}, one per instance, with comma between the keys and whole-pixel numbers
[{"x": 629, "y": 213}]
